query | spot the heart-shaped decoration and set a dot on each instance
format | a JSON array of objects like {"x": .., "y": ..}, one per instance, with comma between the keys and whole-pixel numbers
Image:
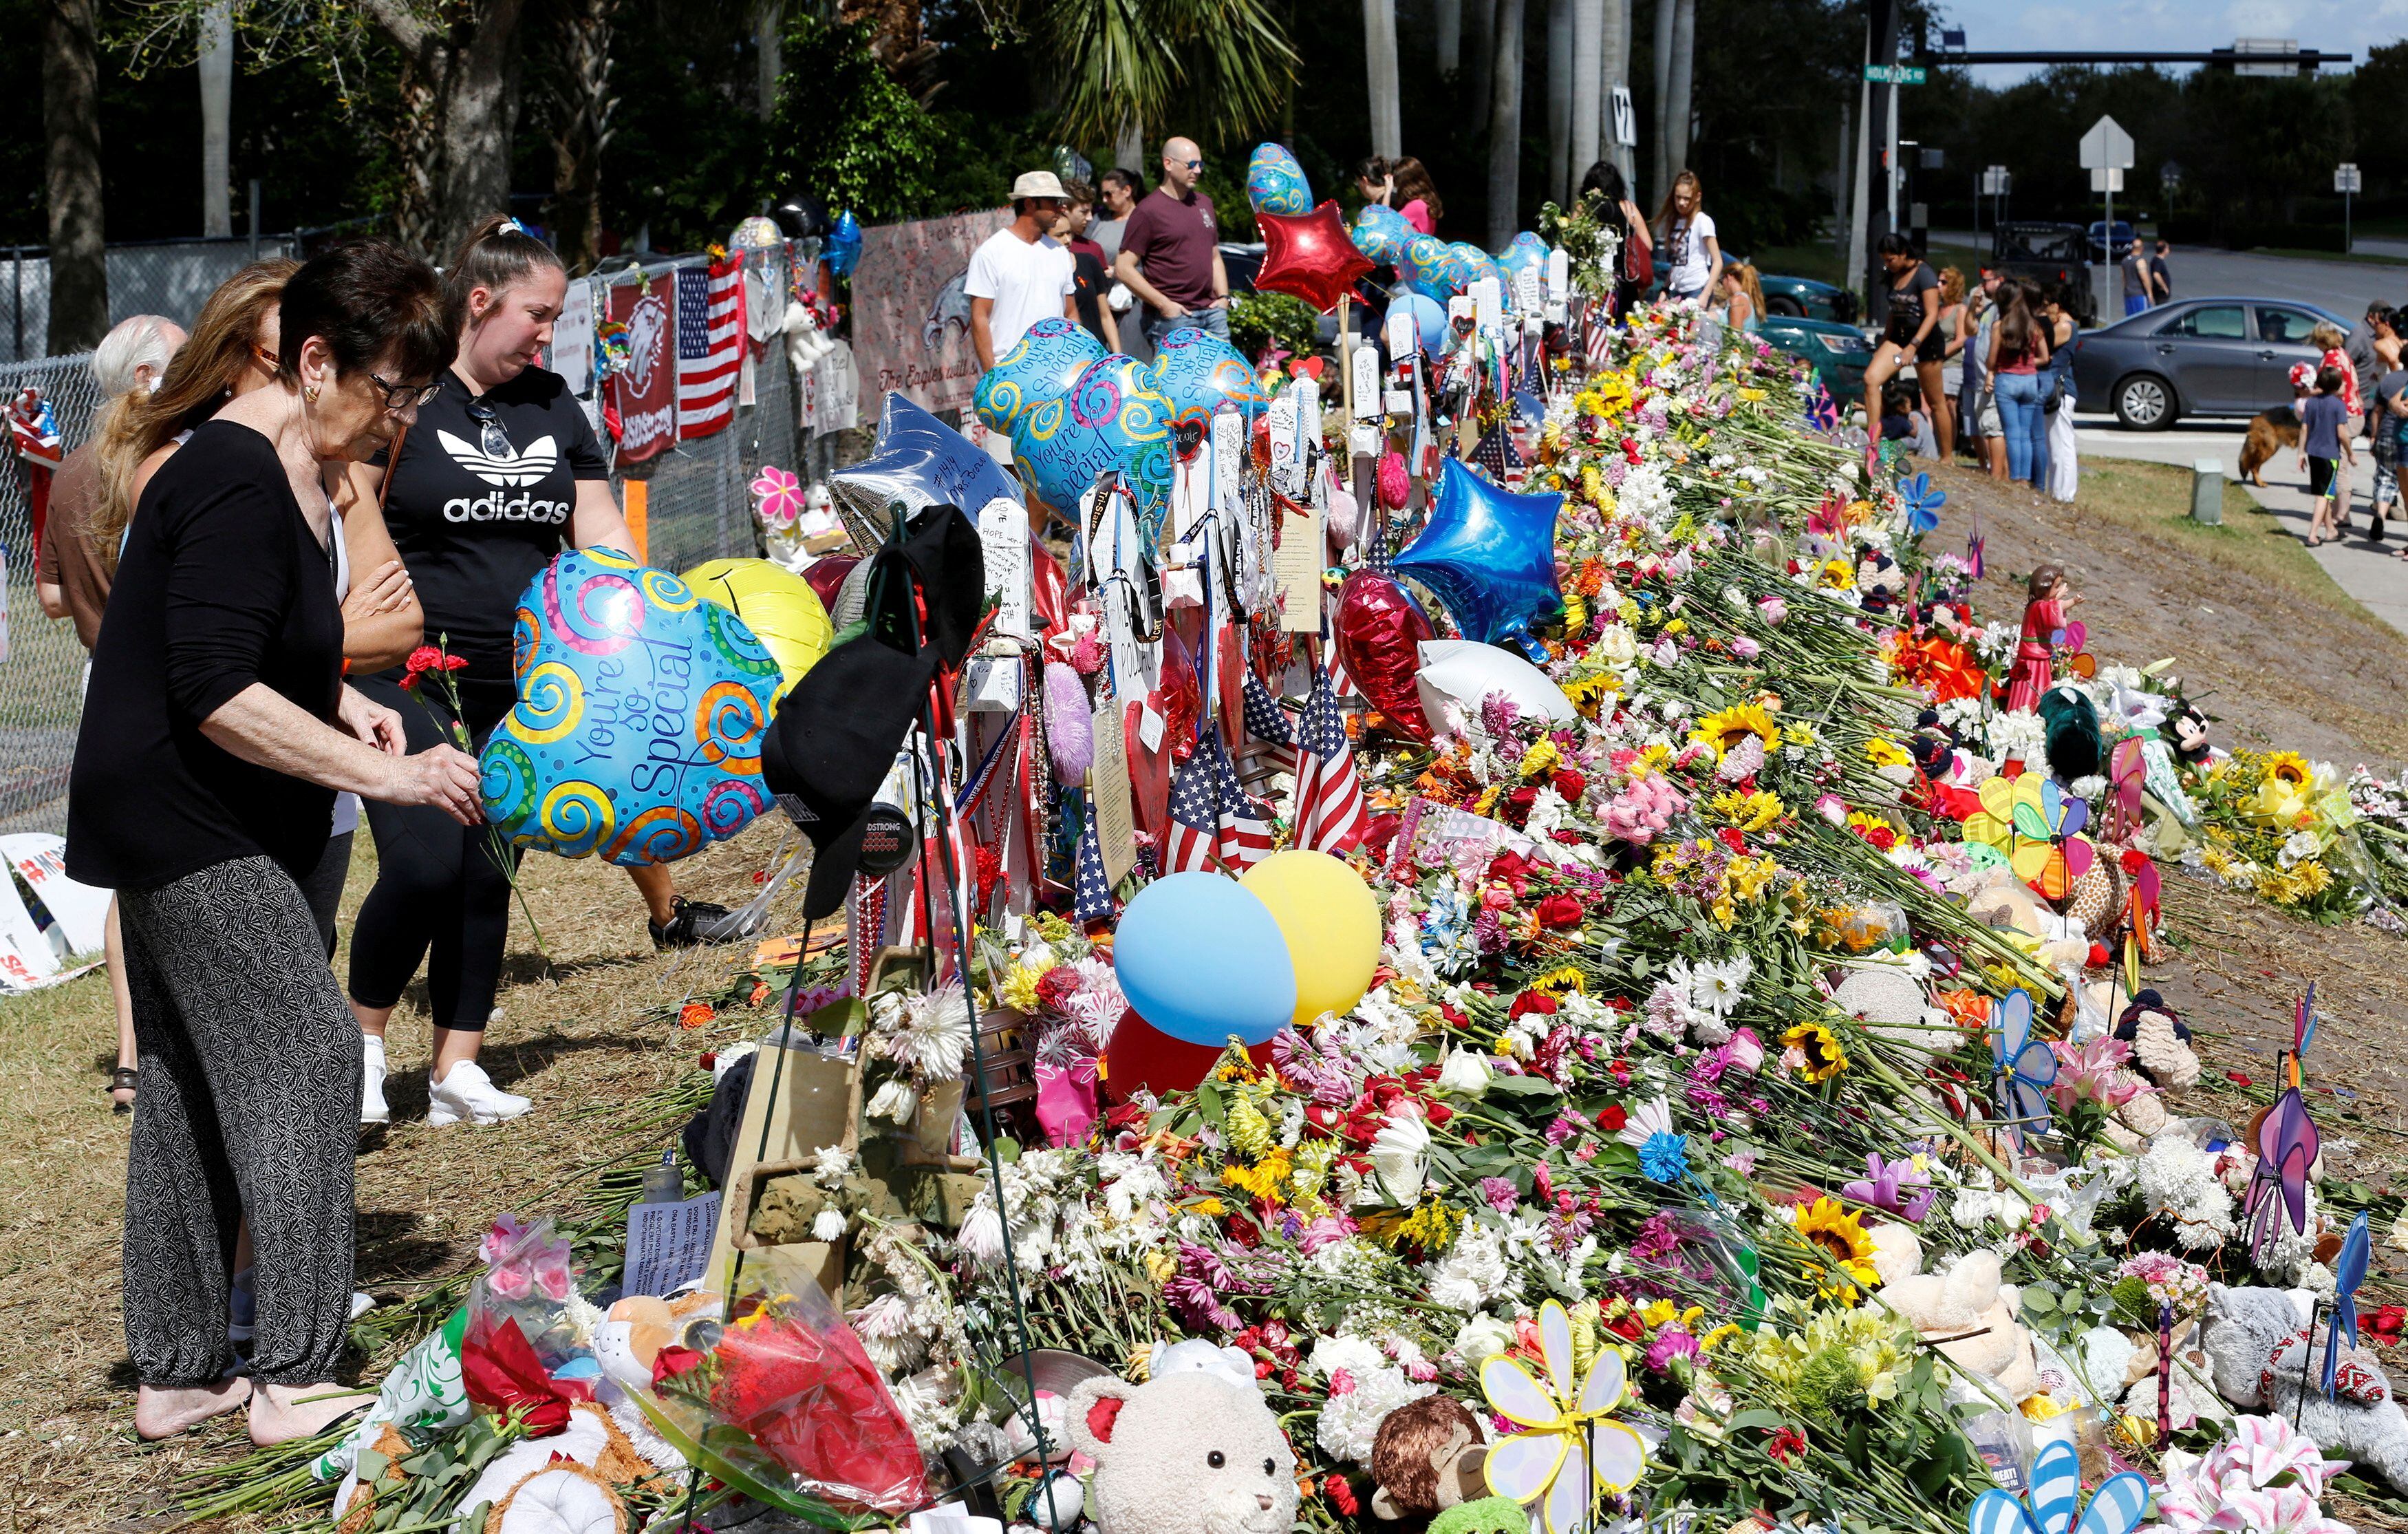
[{"x": 637, "y": 730}]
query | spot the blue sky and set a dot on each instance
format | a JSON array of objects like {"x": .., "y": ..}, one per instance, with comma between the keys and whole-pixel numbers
[{"x": 2172, "y": 25}]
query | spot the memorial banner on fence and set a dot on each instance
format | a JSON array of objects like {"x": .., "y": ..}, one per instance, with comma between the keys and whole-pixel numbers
[
  {"x": 910, "y": 319},
  {"x": 645, "y": 391}
]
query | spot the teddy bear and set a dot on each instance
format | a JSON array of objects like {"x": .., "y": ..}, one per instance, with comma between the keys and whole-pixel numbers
[
  {"x": 1189, "y": 1451},
  {"x": 1426, "y": 1458},
  {"x": 2261, "y": 1355},
  {"x": 1485, "y": 1515},
  {"x": 1889, "y": 1001},
  {"x": 1966, "y": 1313}
]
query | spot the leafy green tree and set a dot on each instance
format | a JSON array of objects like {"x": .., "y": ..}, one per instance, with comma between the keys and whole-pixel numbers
[{"x": 1206, "y": 68}]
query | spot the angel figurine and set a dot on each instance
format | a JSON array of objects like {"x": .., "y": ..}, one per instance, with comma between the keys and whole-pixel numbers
[{"x": 2047, "y": 597}]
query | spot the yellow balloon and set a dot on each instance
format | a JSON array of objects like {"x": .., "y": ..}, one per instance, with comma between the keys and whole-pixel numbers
[
  {"x": 1331, "y": 922},
  {"x": 777, "y": 605}
]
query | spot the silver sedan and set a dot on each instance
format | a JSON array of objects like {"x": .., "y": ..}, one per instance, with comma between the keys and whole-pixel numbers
[{"x": 2196, "y": 356}]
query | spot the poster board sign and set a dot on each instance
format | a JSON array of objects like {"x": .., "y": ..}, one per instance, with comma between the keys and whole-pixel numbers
[
  {"x": 62, "y": 919},
  {"x": 572, "y": 337},
  {"x": 911, "y": 317},
  {"x": 645, "y": 391}
]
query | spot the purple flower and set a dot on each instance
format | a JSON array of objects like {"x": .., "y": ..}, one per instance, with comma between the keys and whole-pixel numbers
[
  {"x": 1499, "y": 714},
  {"x": 1566, "y": 1126},
  {"x": 1201, "y": 1307},
  {"x": 1500, "y": 1193},
  {"x": 1896, "y": 1187},
  {"x": 1670, "y": 1343}
]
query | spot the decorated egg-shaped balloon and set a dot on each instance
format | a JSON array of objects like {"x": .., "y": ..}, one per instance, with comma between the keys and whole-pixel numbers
[
  {"x": 1197, "y": 372},
  {"x": 1275, "y": 181},
  {"x": 1042, "y": 364}
]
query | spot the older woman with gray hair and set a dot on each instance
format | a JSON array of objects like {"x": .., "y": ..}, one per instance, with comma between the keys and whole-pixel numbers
[{"x": 128, "y": 363}]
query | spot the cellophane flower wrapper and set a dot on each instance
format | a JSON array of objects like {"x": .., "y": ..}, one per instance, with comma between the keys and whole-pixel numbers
[
  {"x": 529, "y": 1278},
  {"x": 795, "y": 1379}
]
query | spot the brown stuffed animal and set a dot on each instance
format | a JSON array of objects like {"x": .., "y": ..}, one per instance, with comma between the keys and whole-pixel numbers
[{"x": 1426, "y": 1458}]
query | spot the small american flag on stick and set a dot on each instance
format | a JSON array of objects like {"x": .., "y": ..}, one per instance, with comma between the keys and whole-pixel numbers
[
  {"x": 1212, "y": 819},
  {"x": 1330, "y": 815}
]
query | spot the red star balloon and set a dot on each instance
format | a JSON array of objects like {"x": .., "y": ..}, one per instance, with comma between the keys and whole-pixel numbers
[{"x": 1310, "y": 256}]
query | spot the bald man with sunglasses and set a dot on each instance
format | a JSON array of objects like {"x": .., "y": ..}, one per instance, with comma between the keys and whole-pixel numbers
[{"x": 1170, "y": 252}]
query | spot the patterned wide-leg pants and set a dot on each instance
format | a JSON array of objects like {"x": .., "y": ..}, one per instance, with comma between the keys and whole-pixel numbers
[{"x": 249, "y": 1099}]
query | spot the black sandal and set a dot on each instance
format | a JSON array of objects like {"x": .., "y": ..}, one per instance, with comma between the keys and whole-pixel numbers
[{"x": 123, "y": 1080}]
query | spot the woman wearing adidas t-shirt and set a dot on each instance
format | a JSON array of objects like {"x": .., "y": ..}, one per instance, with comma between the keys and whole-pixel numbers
[{"x": 500, "y": 472}]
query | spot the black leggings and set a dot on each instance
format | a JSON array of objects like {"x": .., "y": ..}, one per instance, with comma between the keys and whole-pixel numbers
[{"x": 439, "y": 887}]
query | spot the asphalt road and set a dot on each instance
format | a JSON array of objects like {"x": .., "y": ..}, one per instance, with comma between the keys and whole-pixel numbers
[{"x": 2343, "y": 287}]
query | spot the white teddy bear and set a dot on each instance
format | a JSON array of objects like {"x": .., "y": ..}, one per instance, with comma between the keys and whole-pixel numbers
[{"x": 1192, "y": 1451}]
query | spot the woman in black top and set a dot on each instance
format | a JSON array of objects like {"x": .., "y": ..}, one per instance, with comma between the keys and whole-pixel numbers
[
  {"x": 500, "y": 472},
  {"x": 1618, "y": 212},
  {"x": 1911, "y": 338},
  {"x": 215, "y": 736}
]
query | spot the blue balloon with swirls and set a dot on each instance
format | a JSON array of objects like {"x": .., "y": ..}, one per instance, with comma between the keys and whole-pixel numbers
[
  {"x": 637, "y": 729},
  {"x": 1477, "y": 262},
  {"x": 1112, "y": 419},
  {"x": 1198, "y": 372},
  {"x": 1381, "y": 233},
  {"x": 1042, "y": 364},
  {"x": 1489, "y": 555},
  {"x": 1275, "y": 181},
  {"x": 1527, "y": 251},
  {"x": 1433, "y": 268}
]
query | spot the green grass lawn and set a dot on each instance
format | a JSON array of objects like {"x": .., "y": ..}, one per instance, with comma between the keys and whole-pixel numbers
[{"x": 2156, "y": 497}]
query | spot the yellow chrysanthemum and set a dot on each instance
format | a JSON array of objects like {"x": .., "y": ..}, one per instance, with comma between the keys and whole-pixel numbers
[
  {"x": 1751, "y": 812},
  {"x": 1824, "y": 1057},
  {"x": 1020, "y": 986},
  {"x": 1726, "y": 727},
  {"x": 1838, "y": 1235},
  {"x": 1884, "y": 753},
  {"x": 1541, "y": 757}
]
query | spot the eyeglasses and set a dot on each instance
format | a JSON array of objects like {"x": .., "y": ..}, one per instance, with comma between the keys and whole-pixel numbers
[
  {"x": 403, "y": 396},
  {"x": 267, "y": 359},
  {"x": 1192, "y": 165},
  {"x": 495, "y": 441}
]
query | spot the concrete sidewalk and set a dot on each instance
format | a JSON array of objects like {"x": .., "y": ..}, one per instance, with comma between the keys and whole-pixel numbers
[{"x": 2360, "y": 566}]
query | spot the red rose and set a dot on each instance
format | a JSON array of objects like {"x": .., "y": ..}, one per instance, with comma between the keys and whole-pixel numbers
[
  {"x": 1533, "y": 1001},
  {"x": 1571, "y": 784},
  {"x": 1610, "y": 1118},
  {"x": 1437, "y": 1112},
  {"x": 1560, "y": 910}
]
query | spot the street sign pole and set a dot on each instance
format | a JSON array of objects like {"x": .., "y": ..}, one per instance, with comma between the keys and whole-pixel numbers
[
  {"x": 2106, "y": 153},
  {"x": 2347, "y": 183},
  {"x": 1881, "y": 19}
]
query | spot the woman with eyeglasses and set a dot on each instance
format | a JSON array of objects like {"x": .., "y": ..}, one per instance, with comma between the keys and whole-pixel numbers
[
  {"x": 501, "y": 471},
  {"x": 216, "y": 734}
]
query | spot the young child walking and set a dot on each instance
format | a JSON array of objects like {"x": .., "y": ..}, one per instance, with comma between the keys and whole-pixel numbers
[{"x": 2323, "y": 419}]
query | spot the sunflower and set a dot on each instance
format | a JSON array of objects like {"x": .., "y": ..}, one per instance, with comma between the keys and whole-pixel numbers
[
  {"x": 1839, "y": 1236},
  {"x": 2284, "y": 767},
  {"x": 1820, "y": 1047},
  {"x": 1728, "y": 727}
]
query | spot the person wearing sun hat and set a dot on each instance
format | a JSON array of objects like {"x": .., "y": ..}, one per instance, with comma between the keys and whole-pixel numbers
[{"x": 1022, "y": 274}]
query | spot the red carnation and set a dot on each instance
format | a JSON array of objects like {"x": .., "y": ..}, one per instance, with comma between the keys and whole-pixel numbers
[
  {"x": 1610, "y": 1118},
  {"x": 1560, "y": 910},
  {"x": 1533, "y": 1001}
]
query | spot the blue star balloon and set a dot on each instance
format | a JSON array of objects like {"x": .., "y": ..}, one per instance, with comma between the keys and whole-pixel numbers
[
  {"x": 918, "y": 461},
  {"x": 1490, "y": 557}
]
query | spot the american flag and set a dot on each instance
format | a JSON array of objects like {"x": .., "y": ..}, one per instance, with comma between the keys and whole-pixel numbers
[
  {"x": 710, "y": 347},
  {"x": 1090, "y": 894},
  {"x": 1267, "y": 721},
  {"x": 1330, "y": 815},
  {"x": 1497, "y": 453},
  {"x": 1212, "y": 820}
]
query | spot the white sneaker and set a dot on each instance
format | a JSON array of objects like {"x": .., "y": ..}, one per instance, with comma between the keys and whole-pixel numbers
[
  {"x": 372, "y": 1108},
  {"x": 467, "y": 1094}
]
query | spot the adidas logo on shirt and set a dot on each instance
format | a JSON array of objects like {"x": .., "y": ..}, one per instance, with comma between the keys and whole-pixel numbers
[{"x": 510, "y": 469}]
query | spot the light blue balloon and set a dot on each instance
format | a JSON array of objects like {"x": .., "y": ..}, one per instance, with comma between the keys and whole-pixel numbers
[
  {"x": 1201, "y": 958},
  {"x": 1042, "y": 364},
  {"x": 1429, "y": 318},
  {"x": 1381, "y": 233},
  {"x": 1477, "y": 262},
  {"x": 1112, "y": 419},
  {"x": 1526, "y": 249},
  {"x": 1490, "y": 557},
  {"x": 1275, "y": 181},
  {"x": 1197, "y": 372},
  {"x": 918, "y": 461},
  {"x": 641, "y": 712}
]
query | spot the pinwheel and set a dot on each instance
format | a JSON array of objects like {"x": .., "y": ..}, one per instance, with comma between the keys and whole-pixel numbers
[
  {"x": 2287, "y": 1144},
  {"x": 1921, "y": 501},
  {"x": 2126, "y": 769},
  {"x": 2116, "y": 1508},
  {"x": 1564, "y": 1428},
  {"x": 2142, "y": 886},
  {"x": 2072, "y": 637},
  {"x": 2024, "y": 1066},
  {"x": 2034, "y": 826},
  {"x": 2304, "y": 1030},
  {"x": 1973, "y": 547},
  {"x": 2349, "y": 1272}
]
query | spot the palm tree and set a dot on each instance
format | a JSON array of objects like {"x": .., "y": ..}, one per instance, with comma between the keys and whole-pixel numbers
[
  {"x": 1560, "y": 96},
  {"x": 1505, "y": 126},
  {"x": 1204, "y": 67},
  {"x": 1380, "y": 56},
  {"x": 1588, "y": 88}
]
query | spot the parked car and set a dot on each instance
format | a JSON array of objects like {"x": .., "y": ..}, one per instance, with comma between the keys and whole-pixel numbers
[
  {"x": 2196, "y": 356},
  {"x": 1805, "y": 298},
  {"x": 2051, "y": 254},
  {"x": 1838, "y": 351},
  {"x": 2110, "y": 244}
]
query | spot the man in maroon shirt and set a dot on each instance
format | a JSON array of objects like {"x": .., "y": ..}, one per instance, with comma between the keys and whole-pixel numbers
[{"x": 1170, "y": 252}]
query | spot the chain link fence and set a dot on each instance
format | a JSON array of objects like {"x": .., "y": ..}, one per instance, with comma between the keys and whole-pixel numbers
[
  {"x": 41, "y": 674},
  {"x": 170, "y": 276}
]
